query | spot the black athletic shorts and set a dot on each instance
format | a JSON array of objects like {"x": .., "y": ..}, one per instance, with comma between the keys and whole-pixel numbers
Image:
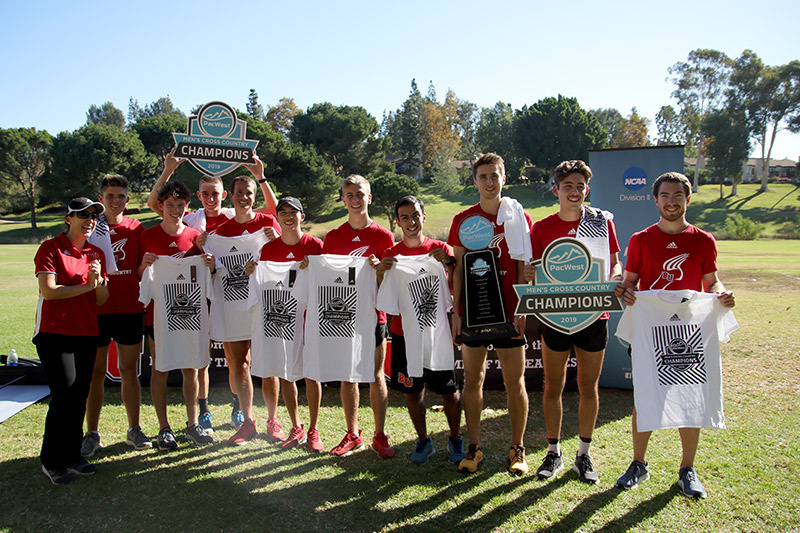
[
  {"x": 150, "y": 331},
  {"x": 381, "y": 333},
  {"x": 438, "y": 381},
  {"x": 591, "y": 339},
  {"x": 124, "y": 328},
  {"x": 502, "y": 343}
]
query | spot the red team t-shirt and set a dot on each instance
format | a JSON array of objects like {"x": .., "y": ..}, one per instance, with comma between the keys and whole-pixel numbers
[
  {"x": 156, "y": 240},
  {"x": 372, "y": 240},
  {"x": 123, "y": 285},
  {"x": 554, "y": 227},
  {"x": 76, "y": 316},
  {"x": 672, "y": 261},
  {"x": 278, "y": 251},
  {"x": 423, "y": 249},
  {"x": 231, "y": 228},
  {"x": 506, "y": 266}
]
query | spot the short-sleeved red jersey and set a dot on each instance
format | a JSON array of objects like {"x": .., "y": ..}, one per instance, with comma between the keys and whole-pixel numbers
[
  {"x": 123, "y": 285},
  {"x": 231, "y": 228},
  {"x": 279, "y": 251}
]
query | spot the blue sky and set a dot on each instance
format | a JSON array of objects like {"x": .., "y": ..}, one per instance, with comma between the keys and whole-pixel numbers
[{"x": 58, "y": 58}]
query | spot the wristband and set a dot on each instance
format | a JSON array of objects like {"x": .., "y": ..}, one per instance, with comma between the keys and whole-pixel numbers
[{"x": 262, "y": 180}]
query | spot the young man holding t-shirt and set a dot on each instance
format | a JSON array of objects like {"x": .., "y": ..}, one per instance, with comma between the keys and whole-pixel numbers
[
  {"x": 410, "y": 214},
  {"x": 362, "y": 237},
  {"x": 489, "y": 176},
  {"x": 594, "y": 228},
  {"x": 673, "y": 255}
]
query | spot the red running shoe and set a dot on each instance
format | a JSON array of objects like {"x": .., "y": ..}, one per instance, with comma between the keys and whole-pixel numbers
[
  {"x": 314, "y": 443},
  {"x": 380, "y": 445},
  {"x": 274, "y": 430},
  {"x": 245, "y": 432},
  {"x": 350, "y": 443},
  {"x": 297, "y": 436}
]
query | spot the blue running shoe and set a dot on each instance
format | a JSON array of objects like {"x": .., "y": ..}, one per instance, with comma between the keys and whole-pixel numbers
[
  {"x": 237, "y": 419},
  {"x": 691, "y": 486},
  {"x": 456, "y": 448},
  {"x": 636, "y": 473},
  {"x": 423, "y": 451},
  {"x": 205, "y": 423}
]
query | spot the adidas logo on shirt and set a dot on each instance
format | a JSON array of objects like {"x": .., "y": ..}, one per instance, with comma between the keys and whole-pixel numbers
[
  {"x": 338, "y": 280},
  {"x": 173, "y": 244},
  {"x": 111, "y": 232},
  {"x": 180, "y": 277},
  {"x": 290, "y": 256},
  {"x": 571, "y": 232},
  {"x": 356, "y": 239},
  {"x": 422, "y": 270},
  {"x": 233, "y": 249},
  {"x": 672, "y": 245},
  {"x": 279, "y": 284},
  {"x": 675, "y": 318}
]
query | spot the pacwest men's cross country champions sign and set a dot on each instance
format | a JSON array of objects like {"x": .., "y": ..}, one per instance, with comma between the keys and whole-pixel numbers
[
  {"x": 569, "y": 291},
  {"x": 215, "y": 144}
]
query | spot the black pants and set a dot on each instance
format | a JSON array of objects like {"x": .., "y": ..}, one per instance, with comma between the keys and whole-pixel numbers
[{"x": 68, "y": 362}]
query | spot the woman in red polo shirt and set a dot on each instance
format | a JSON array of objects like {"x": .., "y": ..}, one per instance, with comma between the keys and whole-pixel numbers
[{"x": 72, "y": 283}]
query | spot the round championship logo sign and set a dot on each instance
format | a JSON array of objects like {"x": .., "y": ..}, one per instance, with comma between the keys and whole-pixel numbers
[
  {"x": 566, "y": 261},
  {"x": 476, "y": 232}
]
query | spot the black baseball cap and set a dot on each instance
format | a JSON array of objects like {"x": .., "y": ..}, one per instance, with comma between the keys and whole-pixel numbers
[
  {"x": 82, "y": 204},
  {"x": 290, "y": 201}
]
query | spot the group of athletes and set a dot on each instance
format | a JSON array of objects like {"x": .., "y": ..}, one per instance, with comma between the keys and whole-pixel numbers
[{"x": 73, "y": 283}]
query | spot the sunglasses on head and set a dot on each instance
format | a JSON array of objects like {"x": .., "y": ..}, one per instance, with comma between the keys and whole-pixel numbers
[{"x": 86, "y": 214}]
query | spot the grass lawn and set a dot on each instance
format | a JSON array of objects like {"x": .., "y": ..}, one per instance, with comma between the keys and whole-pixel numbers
[{"x": 750, "y": 470}]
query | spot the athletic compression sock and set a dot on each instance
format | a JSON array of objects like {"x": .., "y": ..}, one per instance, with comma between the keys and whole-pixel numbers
[
  {"x": 554, "y": 445},
  {"x": 583, "y": 447},
  {"x": 202, "y": 403},
  {"x": 236, "y": 403}
]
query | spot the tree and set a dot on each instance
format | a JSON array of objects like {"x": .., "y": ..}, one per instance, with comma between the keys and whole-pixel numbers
[
  {"x": 162, "y": 106},
  {"x": 610, "y": 119},
  {"x": 346, "y": 137},
  {"x": 24, "y": 158},
  {"x": 404, "y": 128},
  {"x": 556, "y": 129},
  {"x": 254, "y": 109},
  {"x": 281, "y": 116},
  {"x": 107, "y": 115},
  {"x": 156, "y": 131},
  {"x": 670, "y": 128},
  {"x": 700, "y": 81},
  {"x": 495, "y": 133},
  {"x": 631, "y": 132},
  {"x": 770, "y": 99},
  {"x": 439, "y": 141},
  {"x": 728, "y": 143},
  {"x": 386, "y": 189},
  {"x": 81, "y": 158},
  {"x": 467, "y": 124}
]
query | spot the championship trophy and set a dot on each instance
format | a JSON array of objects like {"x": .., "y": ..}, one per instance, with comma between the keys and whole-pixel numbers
[{"x": 485, "y": 317}]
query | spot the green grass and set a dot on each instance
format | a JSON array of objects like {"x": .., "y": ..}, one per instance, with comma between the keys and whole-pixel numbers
[{"x": 750, "y": 470}]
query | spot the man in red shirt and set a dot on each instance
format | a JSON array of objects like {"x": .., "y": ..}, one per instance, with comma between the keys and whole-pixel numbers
[
  {"x": 594, "y": 228},
  {"x": 410, "y": 214},
  {"x": 489, "y": 176},
  {"x": 674, "y": 255},
  {"x": 120, "y": 319},
  {"x": 363, "y": 237}
]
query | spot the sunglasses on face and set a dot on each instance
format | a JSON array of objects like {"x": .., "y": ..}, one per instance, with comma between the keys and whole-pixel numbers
[{"x": 86, "y": 214}]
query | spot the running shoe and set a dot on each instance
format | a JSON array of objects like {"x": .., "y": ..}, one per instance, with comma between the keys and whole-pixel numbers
[
  {"x": 91, "y": 443},
  {"x": 636, "y": 473},
  {"x": 552, "y": 465},
  {"x": 237, "y": 419},
  {"x": 423, "y": 451},
  {"x": 456, "y": 448},
  {"x": 380, "y": 445},
  {"x": 297, "y": 436},
  {"x": 314, "y": 442},
  {"x": 585, "y": 469},
  {"x": 136, "y": 438},
  {"x": 59, "y": 476},
  {"x": 690, "y": 485},
  {"x": 197, "y": 435},
  {"x": 350, "y": 443},
  {"x": 474, "y": 457},
  {"x": 516, "y": 460},
  {"x": 274, "y": 430},
  {"x": 245, "y": 432},
  {"x": 205, "y": 423},
  {"x": 166, "y": 440},
  {"x": 82, "y": 468}
]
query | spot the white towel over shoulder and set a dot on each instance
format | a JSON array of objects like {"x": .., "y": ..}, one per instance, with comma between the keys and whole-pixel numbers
[{"x": 518, "y": 236}]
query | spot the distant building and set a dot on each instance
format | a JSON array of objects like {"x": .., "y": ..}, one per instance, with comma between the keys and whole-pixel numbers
[{"x": 782, "y": 169}]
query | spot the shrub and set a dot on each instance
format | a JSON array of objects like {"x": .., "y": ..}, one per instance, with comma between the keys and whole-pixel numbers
[{"x": 740, "y": 228}]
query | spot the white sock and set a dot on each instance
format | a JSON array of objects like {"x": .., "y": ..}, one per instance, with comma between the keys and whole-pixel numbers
[
  {"x": 583, "y": 447},
  {"x": 554, "y": 447}
]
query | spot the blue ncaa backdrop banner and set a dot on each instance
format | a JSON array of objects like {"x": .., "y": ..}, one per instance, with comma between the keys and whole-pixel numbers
[
  {"x": 216, "y": 143},
  {"x": 570, "y": 290}
]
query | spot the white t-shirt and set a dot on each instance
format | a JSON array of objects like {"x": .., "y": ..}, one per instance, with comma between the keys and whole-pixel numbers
[
  {"x": 230, "y": 315},
  {"x": 416, "y": 289},
  {"x": 178, "y": 289},
  {"x": 339, "y": 292},
  {"x": 677, "y": 367},
  {"x": 197, "y": 219},
  {"x": 277, "y": 322}
]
